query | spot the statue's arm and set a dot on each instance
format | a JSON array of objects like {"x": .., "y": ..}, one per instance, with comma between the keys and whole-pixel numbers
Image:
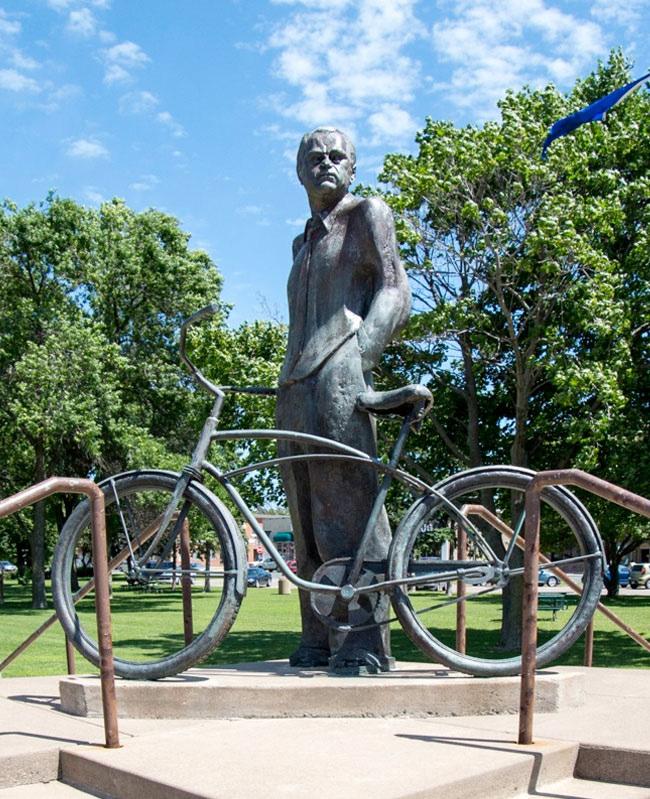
[
  {"x": 391, "y": 301},
  {"x": 297, "y": 244}
]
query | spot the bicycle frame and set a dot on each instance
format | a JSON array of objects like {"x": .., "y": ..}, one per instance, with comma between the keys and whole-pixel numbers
[{"x": 341, "y": 452}]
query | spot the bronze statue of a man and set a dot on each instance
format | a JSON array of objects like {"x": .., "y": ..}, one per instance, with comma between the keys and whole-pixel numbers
[{"x": 348, "y": 296}]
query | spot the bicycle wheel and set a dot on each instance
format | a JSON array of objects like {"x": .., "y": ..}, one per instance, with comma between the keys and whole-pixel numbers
[
  {"x": 147, "y": 613},
  {"x": 491, "y": 648}
]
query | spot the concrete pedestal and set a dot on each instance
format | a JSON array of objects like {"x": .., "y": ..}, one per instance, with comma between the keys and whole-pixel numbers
[{"x": 274, "y": 690}]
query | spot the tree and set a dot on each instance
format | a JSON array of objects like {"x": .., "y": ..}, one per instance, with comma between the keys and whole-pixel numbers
[
  {"x": 250, "y": 355},
  {"x": 91, "y": 304},
  {"x": 531, "y": 286}
]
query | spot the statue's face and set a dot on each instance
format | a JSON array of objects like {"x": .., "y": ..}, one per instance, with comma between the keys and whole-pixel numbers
[{"x": 326, "y": 169}]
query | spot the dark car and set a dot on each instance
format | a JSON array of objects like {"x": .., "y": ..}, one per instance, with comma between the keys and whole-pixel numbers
[
  {"x": 258, "y": 576},
  {"x": 640, "y": 575},
  {"x": 547, "y": 578}
]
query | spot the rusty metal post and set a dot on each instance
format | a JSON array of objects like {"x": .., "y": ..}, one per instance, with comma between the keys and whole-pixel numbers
[
  {"x": 40, "y": 491},
  {"x": 609, "y": 491},
  {"x": 529, "y": 616},
  {"x": 186, "y": 583},
  {"x": 69, "y": 657},
  {"x": 103, "y": 609},
  {"x": 589, "y": 643},
  {"x": 461, "y": 590}
]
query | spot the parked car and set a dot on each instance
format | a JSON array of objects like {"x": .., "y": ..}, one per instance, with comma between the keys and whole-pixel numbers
[
  {"x": 547, "y": 578},
  {"x": 258, "y": 576},
  {"x": 293, "y": 566},
  {"x": 170, "y": 576},
  {"x": 623, "y": 575},
  {"x": 640, "y": 575},
  {"x": 8, "y": 567},
  {"x": 267, "y": 563}
]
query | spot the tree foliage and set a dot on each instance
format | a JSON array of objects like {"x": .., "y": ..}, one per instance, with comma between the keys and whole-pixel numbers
[
  {"x": 90, "y": 308},
  {"x": 531, "y": 289}
]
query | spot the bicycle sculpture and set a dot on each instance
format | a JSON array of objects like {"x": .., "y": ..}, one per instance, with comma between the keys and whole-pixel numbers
[{"x": 148, "y": 510}]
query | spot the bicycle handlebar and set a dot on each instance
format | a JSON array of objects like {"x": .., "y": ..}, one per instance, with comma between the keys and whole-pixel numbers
[{"x": 197, "y": 374}]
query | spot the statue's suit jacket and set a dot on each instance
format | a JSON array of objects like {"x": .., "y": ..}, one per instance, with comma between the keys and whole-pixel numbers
[{"x": 346, "y": 280}]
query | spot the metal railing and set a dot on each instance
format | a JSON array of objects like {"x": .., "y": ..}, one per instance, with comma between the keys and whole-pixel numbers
[
  {"x": 575, "y": 477},
  {"x": 71, "y": 485},
  {"x": 502, "y": 527}
]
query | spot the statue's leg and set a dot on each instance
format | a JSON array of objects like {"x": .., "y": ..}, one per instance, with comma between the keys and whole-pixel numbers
[
  {"x": 313, "y": 650},
  {"x": 342, "y": 496}
]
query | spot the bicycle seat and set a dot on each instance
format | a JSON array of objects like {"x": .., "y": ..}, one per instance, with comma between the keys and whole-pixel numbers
[{"x": 397, "y": 401}]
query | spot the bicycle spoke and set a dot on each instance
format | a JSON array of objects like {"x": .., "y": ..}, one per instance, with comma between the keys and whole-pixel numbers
[
  {"x": 125, "y": 529},
  {"x": 457, "y": 600}
]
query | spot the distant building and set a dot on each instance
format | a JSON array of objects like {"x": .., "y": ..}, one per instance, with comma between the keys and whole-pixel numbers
[
  {"x": 278, "y": 528},
  {"x": 642, "y": 553}
]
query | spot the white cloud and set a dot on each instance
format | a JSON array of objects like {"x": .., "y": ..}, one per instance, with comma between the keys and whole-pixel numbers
[
  {"x": 176, "y": 129},
  {"x": 22, "y": 61},
  {"x": 82, "y": 22},
  {"x": 344, "y": 60},
  {"x": 59, "y": 5},
  {"x": 87, "y": 149},
  {"x": 93, "y": 196},
  {"x": 145, "y": 183},
  {"x": 621, "y": 12},
  {"x": 59, "y": 96},
  {"x": 116, "y": 74},
  {"x": 63, "y": 5},
  {"x": 120, "y": 59},
  {"x": 141, "y": 102},
  {"x": 391, "y": 124},
  {"x": 13, "y": 81},
  {"x": 8, "y": 26},
  {"x": 256, "y": 212},
  {"x": 493, "y": 47}
]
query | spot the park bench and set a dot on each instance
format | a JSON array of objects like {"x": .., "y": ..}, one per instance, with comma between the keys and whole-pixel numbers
[{"x": 553, "y": 602}]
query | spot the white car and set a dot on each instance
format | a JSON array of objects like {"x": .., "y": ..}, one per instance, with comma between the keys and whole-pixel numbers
[
  {"x": 8, "y": 567},
  {"x": 640, "y": 575}
]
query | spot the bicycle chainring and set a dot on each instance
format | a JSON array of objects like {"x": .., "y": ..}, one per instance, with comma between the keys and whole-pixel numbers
[{"x": 363, "y": 610}]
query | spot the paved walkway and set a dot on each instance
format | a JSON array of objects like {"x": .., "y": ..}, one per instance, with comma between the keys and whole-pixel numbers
[{"x": 454, "y": 757}]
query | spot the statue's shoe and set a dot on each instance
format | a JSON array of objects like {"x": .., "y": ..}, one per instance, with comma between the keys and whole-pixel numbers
[
  {"x": 309, "y": 657},
  {"x": 359, "y": 662}
]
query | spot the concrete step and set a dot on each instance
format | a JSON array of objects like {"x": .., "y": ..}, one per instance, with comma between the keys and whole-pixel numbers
[
  {"x": 44, "y": 790},
  {"x": 572, "y": 788},
  {"x": 294, "y": 758}
]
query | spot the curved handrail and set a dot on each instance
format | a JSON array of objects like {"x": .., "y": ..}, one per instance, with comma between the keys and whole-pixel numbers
[{"x": 74, "y": 485}]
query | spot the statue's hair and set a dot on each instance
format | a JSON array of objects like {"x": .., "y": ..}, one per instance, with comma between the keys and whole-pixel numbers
[{"x": 309, "y": 136}]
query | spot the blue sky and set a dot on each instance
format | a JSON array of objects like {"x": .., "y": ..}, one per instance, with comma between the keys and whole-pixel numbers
[{"x": 197, "y": 107}]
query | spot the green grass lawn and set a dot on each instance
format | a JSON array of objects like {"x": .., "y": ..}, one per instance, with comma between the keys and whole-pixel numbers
[{"x": 147, "y": 624}]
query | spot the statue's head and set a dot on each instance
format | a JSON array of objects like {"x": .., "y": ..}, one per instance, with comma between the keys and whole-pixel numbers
[{"x": 326, "y": 164}]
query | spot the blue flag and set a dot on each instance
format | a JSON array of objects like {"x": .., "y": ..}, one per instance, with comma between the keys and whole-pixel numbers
[{"x": 592, "y": 113}]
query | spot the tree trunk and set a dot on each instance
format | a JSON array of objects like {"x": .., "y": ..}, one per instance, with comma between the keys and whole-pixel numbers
[
  {"x": 208, "y": 555},
  {"x": 614, "y": 561},
  {"x": 513, "y": 593},
  {"x": 471, "y": 396},
  {"x": 39, "y": 598}
]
